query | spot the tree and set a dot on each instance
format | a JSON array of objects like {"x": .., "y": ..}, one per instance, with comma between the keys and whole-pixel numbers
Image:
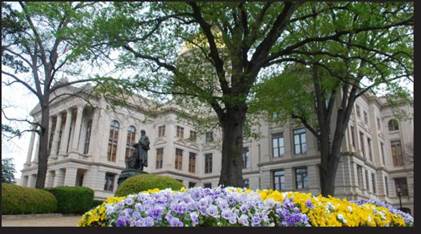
[
  {"x": 322, "y": 81},
  {"x": 36, "y": 47},
  {"x": 240, "y": 42},
  {"x": 7, "y": 170}
]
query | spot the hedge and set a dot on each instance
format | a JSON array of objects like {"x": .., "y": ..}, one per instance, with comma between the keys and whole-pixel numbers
[
  {"x": 144, "y": 182},
  {"x": 73, "y": 200},
  {"x": 16, "y": 199}
]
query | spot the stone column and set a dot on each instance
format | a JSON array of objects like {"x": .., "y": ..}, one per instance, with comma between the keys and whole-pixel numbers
[
  {"x": 30, "y": 149},
  {"x": 54, "y": 150},
  {"x": 70, "y": 176},
  {"x": 78, "y": 125},
  {"x": 59, "y": 178},
  {"x": 93, "y": 136},
  {"x": 121, "y": 144},
  {"x": 35, "y": 160},
  {"x": 65, "y": 135}
]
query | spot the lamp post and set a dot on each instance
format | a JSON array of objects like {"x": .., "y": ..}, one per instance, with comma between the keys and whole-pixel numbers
[{"x": 398, "y": 190}]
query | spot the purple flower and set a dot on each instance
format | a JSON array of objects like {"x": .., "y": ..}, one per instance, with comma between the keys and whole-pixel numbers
[
  {"x": 243, "y": 220},
  {"x": 309, "y": 204},
  {"x": 179, "y": 208},
  {"x": 255, "y": 220},
  {"x": 128, "y": 201},
  {"x": 194, "y": 218},
  {"x": 155, "y": 212},
  {"x": 212, "y": 211},
  {"x": 175, "y": 222},
  {"x": 227, "y": 214}
]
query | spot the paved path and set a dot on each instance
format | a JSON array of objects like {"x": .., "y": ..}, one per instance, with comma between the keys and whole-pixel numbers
[{"x": 57, "y": 221}]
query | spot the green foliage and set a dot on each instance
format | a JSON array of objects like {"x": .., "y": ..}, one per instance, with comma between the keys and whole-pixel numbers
[
  {"x": 73, "y": 200},
  {"x": 140, "y": 183},
  {"x": 16, "y": 199},
  {"x": 7, "y": 170}
]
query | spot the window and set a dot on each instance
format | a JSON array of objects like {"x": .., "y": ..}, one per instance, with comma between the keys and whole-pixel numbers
[
  {"x": 378, "y": 124},
  {"x": 362, "y": 143},
  {"x": 373, "y": 182},
  {"x": 178, "y": 159},
  {"x": 53, "y": 128},
  {"x": 278, "y": 145},
  {"x": 209, "y": 137},
  {"x": 192, "y": 162},
  {"x": 161, "y": 131},
  {"x": 246, "y": 157},
  {"x": 191, "y": 184},
  {"x": 278, "y": 179},
  {"x": 87, "y": 137},
  {"x": 112, "y": 141},
  {"x": 246, "y": 183},
  {"x": 365, "y": 117},
  {"x": 370, "y": 153},
  {"x": 207, "y": 185},
  {"x": 386, "y": 185},
  {"x": 360, "y": 177},
  {"x": 131, "y": 135},
  {"x": 367, "y": 180},
  {"x": 358, "y": 111},
  {"x": 393, "y": 125},
  {"x": 193, "y": 136},
  {"x": 159, "y": 158},
  {"x": 109, "y": 182},
  {"x": 180, "y": 132},
  {"x": 353, "y": 136},
  {"x": 301, "y": 178},
  {"x": 401, "y": 183},
  {"x": 208, "y": 163},
  {"x": 382, "y": 152},
  {"x": 396, "y": 153},
  {"x": 300, "y": 146}
]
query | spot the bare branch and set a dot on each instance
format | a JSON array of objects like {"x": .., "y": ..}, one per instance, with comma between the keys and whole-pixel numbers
[
  {"x": 16, "y": 79},
  {"x": 20, "y": 120}
]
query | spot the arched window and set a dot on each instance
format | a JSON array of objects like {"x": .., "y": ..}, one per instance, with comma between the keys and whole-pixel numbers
[
  {"x": 131, "y": 138},
  {"x": 393, "y": 125},
  {"x": 112, "y": 141}
]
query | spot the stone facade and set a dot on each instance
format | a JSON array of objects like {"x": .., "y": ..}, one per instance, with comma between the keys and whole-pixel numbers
[{"x": 82, "y": 149}]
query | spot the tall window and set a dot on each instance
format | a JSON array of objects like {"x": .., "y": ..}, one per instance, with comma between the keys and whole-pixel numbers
[
  {"x": 373, "y": 182},
  {"x": 52, "y": 130},
  {"x": 382, "y": 151},
  {"x": 386, "y": 185},
  {"x": 362, "y": 143},
  {"x": 278, "y": 179},
  {"x": 353, "y": 136},
  {"x": 208, "y": 163},
  {"x": 87, "y": 137},
  {"x": 360, "y": 177},
  {"x": 131, "y": 135},
  {"x": 300, "y": 146},
  {"x": 178, "y": 159},
  {"x": 112, "y": 141},
  {"x": 246, "y": 157},
  {"x": 192, "y": 162},
  {"x": 161, "y": 131},
  {"x": 246, "y": 183},
  {"x": 209, "y": 137},
  {"x": 358, "y": 111},
  {"x": 367, "y": 181},
  {"x": 401, "y": 183},
  {"x": 60, "y": 133},
  {"x": 207, "y": 185},
  {"x": 393, "y": 125},
  {"x": 193, "y": 135},
  {"x": 301, "y": 178},
  {"x": 192, "y": 184},
  {"x": 109, "y": 182},
  {"x": 180, "y": 132},
  {"x": 278, "y": 145},
  {"x": 365, "y": 117},
  {"x": 159, "y": 158},
  {"x": 397, "y": 153},
  {"x": 370, "y": 153}
]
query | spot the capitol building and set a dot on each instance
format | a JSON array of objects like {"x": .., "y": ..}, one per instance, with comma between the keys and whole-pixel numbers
[{"x": 89, "y": 141}]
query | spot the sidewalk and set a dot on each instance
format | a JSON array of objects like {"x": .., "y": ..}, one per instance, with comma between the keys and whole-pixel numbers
[{"x": 53, "y": 220}]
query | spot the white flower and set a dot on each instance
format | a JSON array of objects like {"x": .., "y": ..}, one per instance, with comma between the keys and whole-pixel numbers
[
  {"x": 341, "y": 218},
  {"x": 349, "y": 209}
]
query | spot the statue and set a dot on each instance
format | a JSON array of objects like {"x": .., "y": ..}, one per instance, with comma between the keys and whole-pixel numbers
[{"x": 138, "y": 160}]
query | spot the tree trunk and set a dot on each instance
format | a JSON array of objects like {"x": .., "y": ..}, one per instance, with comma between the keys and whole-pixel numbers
[
  {"x": 328, "y": 170},
  {"x": 232, "y": 146},
  {"x": 43, "y": 146}
]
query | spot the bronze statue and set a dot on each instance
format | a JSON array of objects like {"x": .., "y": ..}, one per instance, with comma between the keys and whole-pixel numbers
[{"x": 139, "y": 159}]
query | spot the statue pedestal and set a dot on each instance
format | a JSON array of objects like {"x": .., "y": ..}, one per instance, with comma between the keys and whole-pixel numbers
[{"x": 126, "y": 173}]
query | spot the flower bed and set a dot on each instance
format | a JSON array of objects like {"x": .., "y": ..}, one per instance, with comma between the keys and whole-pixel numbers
[{"x": 240, "y": 207}]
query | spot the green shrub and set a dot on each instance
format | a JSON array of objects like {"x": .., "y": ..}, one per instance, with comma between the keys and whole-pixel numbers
[
  {"x": 144, "y": 182},
  {"x": 96, "y": 203},
  {"x": 16, "y": 199},
  {"x": 73, "y": 200}
]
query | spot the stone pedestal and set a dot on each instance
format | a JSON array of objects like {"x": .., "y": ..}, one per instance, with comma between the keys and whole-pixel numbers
[{"x": 126, "y": 173}]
